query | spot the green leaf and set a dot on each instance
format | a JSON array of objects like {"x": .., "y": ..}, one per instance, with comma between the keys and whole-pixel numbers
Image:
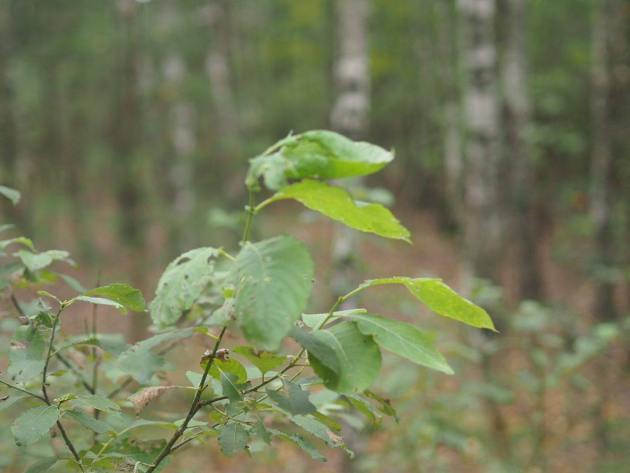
[
  {"x": 11, "y": 194},
  {"x": 228, "y": 366},
  {"x": 102, "y": 301},
  {"x": 319, "y": 154},
  {"x": 317, "y": 429},
  {"x": 34, "y": 424},
  {"x": 73, "y": 283},
  {"x": 358, "y": 356},
  {"x": 295, "y": 402},
  {"x": 441, "y": 299},
  {"x": 300, "y": 442},
  {"x": 181, "y": 284},
  {"x": 26, "y": 242},
  {"x": 230, "y": 388},
  {"x": 233, "y": 438},
  {"x": 263, "y": 360},
  {"x": 337, "y": 204},
  {"x": 36, "y": 261},
  {"x": 403, "y": 339},
  {"x": 319, "y": 345},
  {"x": 139, "y": 362},
  {"x": 125, "y": 295},
  {"x": 96, "y": 401},
  {"x": 90, "y": 422},
  {"x": 273, "y": 280},
  {"x": 42, "y": 465},
  {"x": 26, "y": 356}
]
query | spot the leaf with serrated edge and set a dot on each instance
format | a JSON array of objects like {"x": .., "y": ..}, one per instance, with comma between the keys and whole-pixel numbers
[
  {"x": 403, "y": 339},
  {"x": 337, "y": 204},
  {"x": 440, "y": 298},
  {"x": 233, "y": 438},
  {"x": 34, "y": 424},
  {"x": 358, "y": 356},
  {"x": 181, "y": 284},
  {"x": 273, "y": 280}
]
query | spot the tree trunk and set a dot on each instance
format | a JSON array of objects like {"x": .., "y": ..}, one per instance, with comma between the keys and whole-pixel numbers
[
  {"x": 9, "y": 174},
  {"x": 601, "y": 160},
  {"x": 183, "y": 143},
  {"x": 482, "y": 217},
  {"x": 517, "y": 117},
  {"x": 219, "y": 73},
  {"x": 126, "y": 131},
  {"x": 349, "y": 115}
]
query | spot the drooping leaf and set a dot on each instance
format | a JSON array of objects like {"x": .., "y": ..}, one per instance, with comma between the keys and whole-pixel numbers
[
  {"x": 319, "y": 345},
  {"x": 96, "y": 401},
  {"x": 318, "y": 154},
  {"x": 337, "y": 204},
  {"x": 441, "y": 299},
  {"x": 263, "y": 360},
  {"x": 295, "y": 402},
  {"x": 230, "y": 387},
  {"x": 140, "y": 362},
  {"x": 358, "y": 356},
  {"x": 11, "y": 194},
  {"x": 403, "y": 339},
  {"x": 125, "y": 295},
  {"x": 36, "y": 261},
  {"x": 42, "y": 465},
  {"x": 273, "y": 280},
  {"x": 230, "y": 366},
  {"x": 233, "y": 438},
  {"x": 102, "y": 301},
  {"x": 34, "y": 424},
  {"x": 317, "y": 429},
  {"x": 181, "y": 285},
  {"x": 301, "y": 442},
  {"x": 89, "y": 422},
  {"x": 26, "y": 356}
]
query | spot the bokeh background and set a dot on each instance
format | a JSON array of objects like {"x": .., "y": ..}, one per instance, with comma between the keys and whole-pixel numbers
[{"x": 128, "y": 126}]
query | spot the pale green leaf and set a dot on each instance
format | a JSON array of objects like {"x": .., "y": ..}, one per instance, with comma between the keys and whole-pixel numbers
[
  {"x": 34, "y": 424},
  {"x": 127, "y": 296},
  {"x": 295, "y": 402},
  {"x": 403, "y": 339},
  {"x": 263, "y": 360},
  {"x": 273, "y": 280},
  {"x": 42, "y": 465},
  {"x": 300, "y": 442},
  {"x": 90, "y": 422},
  {"x": 11, "y": 194},
  {"x": 230, "y": 388},
  {"x": 337, "y": 204},
  {"x": 358, "y": 356},
  {"x": 233, "y": 438},
  {"x": 441, "y": 299},
  {"x": 181, "y": 284},
  {"x": 102, "y": 301},
  {"x": 228, "y": 366},
  {"x": 318, "y": 154},
  {"x": 36, "y": 261}
]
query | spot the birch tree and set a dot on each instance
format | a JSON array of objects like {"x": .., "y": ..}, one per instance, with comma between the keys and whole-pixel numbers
[{"x": 481, "y": 147}]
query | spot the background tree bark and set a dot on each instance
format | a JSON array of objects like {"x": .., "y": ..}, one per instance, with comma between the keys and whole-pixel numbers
[{"x": 517, "y": 119}]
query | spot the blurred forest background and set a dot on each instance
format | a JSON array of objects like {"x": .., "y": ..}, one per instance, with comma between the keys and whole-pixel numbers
[{"x": 127, "y": 125}]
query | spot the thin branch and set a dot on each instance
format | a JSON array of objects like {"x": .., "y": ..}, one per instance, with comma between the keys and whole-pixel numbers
[
  {"x": 194, "y": 407},
  {"x": 66, "y": 439},
  {"x": 17, "y": 388},
  {"x": 250, "y": 216}
]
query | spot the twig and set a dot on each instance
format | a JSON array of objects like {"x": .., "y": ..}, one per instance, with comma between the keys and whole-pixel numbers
[
  {"x": 66, "y": 439},
  {"x": 17, "y": 388},
  {"x": 194, "y": 407}
]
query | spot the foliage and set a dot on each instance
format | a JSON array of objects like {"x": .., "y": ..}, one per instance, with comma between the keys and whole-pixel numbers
[{"x": 262, "y": 291}]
